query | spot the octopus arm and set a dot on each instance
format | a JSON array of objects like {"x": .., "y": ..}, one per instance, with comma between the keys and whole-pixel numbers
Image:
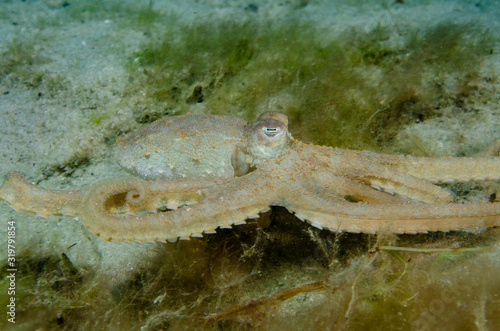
[
  {"x": 448, "y": 169},
  {"x": 391, "y": 180},
  {"x": 371, "y": 169},
  {"x": 393, "y": 218},
  {"x": 220, "y": 205},
  {"x": 441, "y": 169},
  {"x": 21, "y": 195},
  {"x": 348, "y": 189}
]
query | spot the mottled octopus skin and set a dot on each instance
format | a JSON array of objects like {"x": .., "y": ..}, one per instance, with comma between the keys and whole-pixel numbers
[
  {"x": 223, "y": 171},
  {"x": 171, "y": 148}
]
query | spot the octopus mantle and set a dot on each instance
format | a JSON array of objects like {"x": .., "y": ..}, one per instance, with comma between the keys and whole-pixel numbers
[{"x": 216, "y": 171}]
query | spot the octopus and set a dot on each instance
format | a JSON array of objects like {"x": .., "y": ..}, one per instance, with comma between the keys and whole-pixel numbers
[{"x": 197, "y": 173}]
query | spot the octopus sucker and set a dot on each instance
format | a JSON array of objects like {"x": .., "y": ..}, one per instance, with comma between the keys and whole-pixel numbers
[
  {"x": 196, "y": 173},
  {"x": 196, "y": 235}
]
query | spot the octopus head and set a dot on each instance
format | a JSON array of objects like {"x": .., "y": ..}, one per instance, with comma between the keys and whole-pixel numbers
[{"x": 269, "y": 134}]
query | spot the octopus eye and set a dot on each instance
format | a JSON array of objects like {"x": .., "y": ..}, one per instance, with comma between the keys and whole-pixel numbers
[
  {"x": 270, "y": 134},
  {"x": 271, "y": 131}
]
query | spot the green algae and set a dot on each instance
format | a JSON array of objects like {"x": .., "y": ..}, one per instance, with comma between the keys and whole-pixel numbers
[
  {"x": 16, "y": 61},
  {"x": 350, "y": 89},
  {"x": 20, "y": 65}
]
